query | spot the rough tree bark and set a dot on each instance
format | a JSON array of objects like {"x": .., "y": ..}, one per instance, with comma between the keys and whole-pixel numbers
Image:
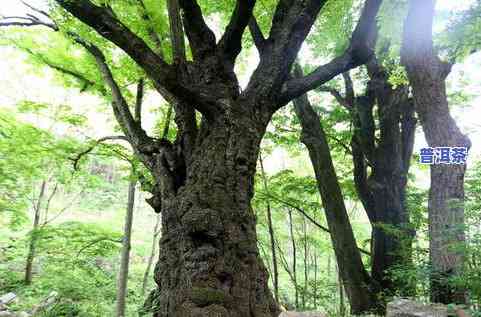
[
  {"x": 427, "y": 75},
  {"x": 208, "y": 255},
  {"x": 209, "y": 264}
]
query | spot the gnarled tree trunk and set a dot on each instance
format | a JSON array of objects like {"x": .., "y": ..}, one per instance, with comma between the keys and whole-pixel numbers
[
  {"x": 209, "y": 263},
  {"x": 383, "y": 190}
]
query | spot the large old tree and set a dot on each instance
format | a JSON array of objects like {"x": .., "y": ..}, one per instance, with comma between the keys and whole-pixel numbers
[
  {"x": 209, "y": 264},
  {"x": 427, "y": 75},
  {"x": 361, "y": 290},
  {"x": 381, "y": 191},
  {"x": 382, "y": 150}
]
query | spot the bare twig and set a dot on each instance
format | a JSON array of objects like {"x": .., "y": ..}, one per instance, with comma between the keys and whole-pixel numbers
[
  {"x": 76, "y": 159},
  {"x": 306, "y": 215},
  {"x": 35, "y": 9},
  {"x": 64, "y": 209},
  {"x": 95, "y": 241}
]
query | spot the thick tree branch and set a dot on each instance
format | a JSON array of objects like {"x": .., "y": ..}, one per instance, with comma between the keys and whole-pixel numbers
[
  {"x": 291, "y": 24},
  {"x": 358, "y": 53},
  {"x": 176, "y": 31},
  {"x": 256, "y": 33},
  {"x": 201, "y": 37},
  {"x": 130, "y": 127},
  {"x": 79, "y": 156},
  {"x": 231, "y": 42},
  {"x": 360, "y": 180},
  {"x": 364, "y": 125},
  {"x": 184, "y": 114},
  {"x": 349, "y": 88},
  {"x": 197, "y": 32},
  {"x": 138, "y": 102},
  {"x": 284, "y": 14}
]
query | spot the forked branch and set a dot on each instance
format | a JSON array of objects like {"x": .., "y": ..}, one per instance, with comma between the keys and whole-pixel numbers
[
  {"x": 201, "y": 37},
  {"x": 256, "y": 34},
  {"x": 231, "y": 42}
]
